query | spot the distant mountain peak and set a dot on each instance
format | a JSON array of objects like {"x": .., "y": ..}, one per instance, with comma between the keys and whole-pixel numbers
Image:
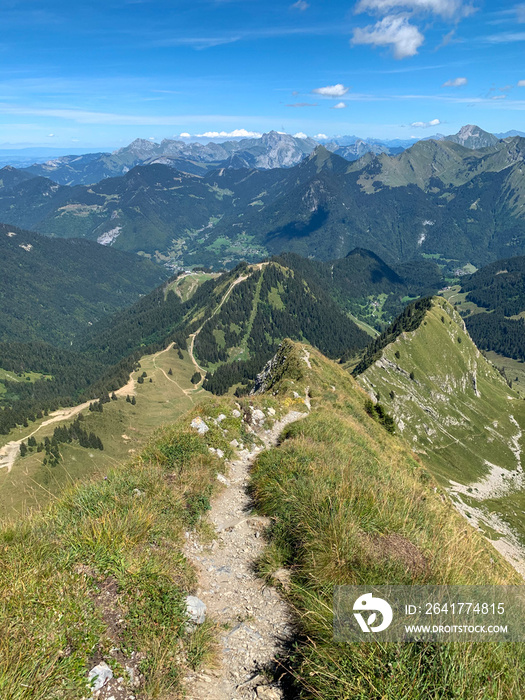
[
  {"x": 140, "y": 146},
  {"x": 472, "y": 136}
]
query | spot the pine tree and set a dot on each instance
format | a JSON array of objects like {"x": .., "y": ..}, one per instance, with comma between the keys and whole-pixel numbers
[
  {"x": 23, "y": 449},
  {"x": 133, "y": 401},
  {"x": 170, "y": 371}
]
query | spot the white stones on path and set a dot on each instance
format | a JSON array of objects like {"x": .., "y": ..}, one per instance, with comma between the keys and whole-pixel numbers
[
  {"x": 199, "y": 425},
  {"x": 255, "y": 620}
]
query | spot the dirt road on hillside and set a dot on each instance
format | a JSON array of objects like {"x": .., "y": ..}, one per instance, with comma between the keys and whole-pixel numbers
[{"x": 9, "y": 452}]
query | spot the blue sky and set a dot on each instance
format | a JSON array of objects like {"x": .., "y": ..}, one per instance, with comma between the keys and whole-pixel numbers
[{"x": 101, "y": 73}]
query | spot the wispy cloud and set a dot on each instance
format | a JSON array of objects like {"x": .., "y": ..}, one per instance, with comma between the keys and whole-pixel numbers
[
  {"x": 450, "y": 9},
  {"x": 303, "y": 104},
  {"x": 339, "y": 105},
  {"x": 394, "y": 31},
  {"x": 332, "y": 90},
  {"x": 111, "y": 118},
  {"x": 300, "y": 5},
  {"x": 204, "y": 42},
  {"x": 426, "y": 125},
  {"x": 521, "y": 83},
  {"x": 505, "y": 37},
  {"x": 456, "y": 82}
]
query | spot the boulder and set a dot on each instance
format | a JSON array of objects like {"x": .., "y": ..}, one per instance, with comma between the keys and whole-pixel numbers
[
  {"x": 100, "y": 674},
  {"x": 199, "y": 425},
  {"x": 195, "y": 609}
]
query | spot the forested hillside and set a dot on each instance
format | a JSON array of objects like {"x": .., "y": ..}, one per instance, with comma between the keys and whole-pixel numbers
[
  {"x": 499, "y": 286},
  {"x": 52, "y": 289},
  {"x": 276, "y": 302},
  {"x": 239, "y": 318},
  {"x": 437, "y": 198},
  {"x": 366, "y": 286},
  {"x": 498, "y": 290}
]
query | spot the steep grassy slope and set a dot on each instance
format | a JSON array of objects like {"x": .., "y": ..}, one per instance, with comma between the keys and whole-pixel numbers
[
  {"x": 349, "y": 504},
  {"x": 456, "y": 411},
  {"x": 353, "y": 506}
]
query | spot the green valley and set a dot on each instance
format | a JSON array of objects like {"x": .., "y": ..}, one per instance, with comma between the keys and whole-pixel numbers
[{"x": 435, "y": 198}]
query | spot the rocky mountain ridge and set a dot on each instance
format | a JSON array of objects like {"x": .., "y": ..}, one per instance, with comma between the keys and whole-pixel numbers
[{"x": 271, "y": 150}]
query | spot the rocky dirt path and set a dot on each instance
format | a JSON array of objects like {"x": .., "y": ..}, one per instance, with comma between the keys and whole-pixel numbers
[{"x": 255, "y": 620}]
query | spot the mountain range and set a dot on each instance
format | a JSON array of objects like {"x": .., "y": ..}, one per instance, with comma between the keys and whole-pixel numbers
[
  {"x": 441, "y": 198},
  {"x": 271, "y": 150}
]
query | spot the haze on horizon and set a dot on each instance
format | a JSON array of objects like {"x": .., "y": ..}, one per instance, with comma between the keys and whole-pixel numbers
[{"x": 91, "y": 77}]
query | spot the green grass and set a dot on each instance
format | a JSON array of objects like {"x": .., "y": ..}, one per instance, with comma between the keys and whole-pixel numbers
[
  {"x": 5, "y": 375},
  {"x": 351, "y": 505},
  {"x": 122, "y": 532},
  {"x": 123, "y": 429},
  {"x": 441, "y": 415},
  {"x": 126, "y": 530}
]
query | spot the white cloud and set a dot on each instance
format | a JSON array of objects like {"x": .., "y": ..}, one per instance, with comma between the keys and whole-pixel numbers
[
  {"x": 444, "y": 8},
  {"x": 321, "y": 137},
  {"x": 456, "y": 82},
  {"x": 521, "y": 83},
  {"x": 393, "y": 30},
  {"x": 300, "y": 5},
  {"x": 300, "y": 135},
  {"x": 332, "y": 90},
  {"x": 50, "y": 136},
  {"x": 339, "y": 105},
  {"x": 426, "y": 125},
  {"x": 235, "y": 134},
  {"x": 185, "y": 135}
]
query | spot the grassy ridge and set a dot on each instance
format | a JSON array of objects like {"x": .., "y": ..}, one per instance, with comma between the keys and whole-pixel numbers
[
  {"x": 350, "y": 503},
  {"x": 123, "y": 533},
  {"x": 353, "y": 505},
  {"x": 54, "y": 566}
]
